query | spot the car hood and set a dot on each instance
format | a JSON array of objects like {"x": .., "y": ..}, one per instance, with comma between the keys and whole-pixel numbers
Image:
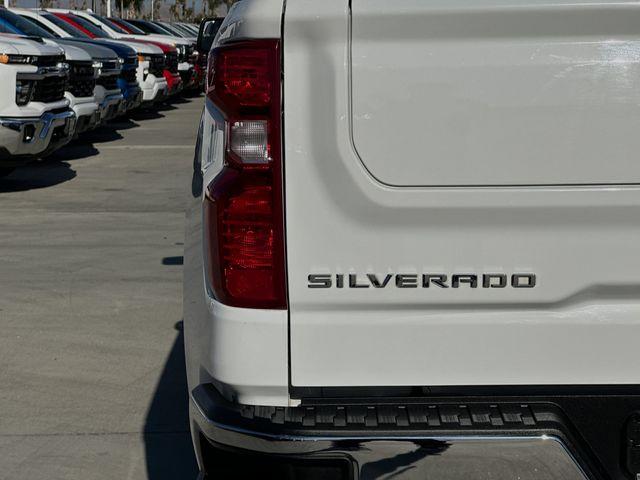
[
  {"x": 121, "y": 49},
  {"x": 71, "y": 52},
  {"x": 27, "y": 46},
  {"x": 162, "y": 39},
  {"x": 89, "y": 46},
  {"x": 144, "y": 48},
  {"x": 165, "y": 47}
]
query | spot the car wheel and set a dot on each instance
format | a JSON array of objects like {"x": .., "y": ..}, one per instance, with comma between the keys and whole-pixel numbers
[{"x": 4, "y": 171}]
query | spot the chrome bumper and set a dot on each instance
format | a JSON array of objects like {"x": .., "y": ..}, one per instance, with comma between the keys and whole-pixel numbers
[
  {"x": 22, "y": 139},
  {"x": 110, "y": 106},
  {"x": 88, "y": 122},
  {"x": 134, "y": 101},
  {"x": 381, "y": 442}
]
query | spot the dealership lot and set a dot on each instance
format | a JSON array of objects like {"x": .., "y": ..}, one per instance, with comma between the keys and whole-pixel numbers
[{"x": 91, "y": 355}]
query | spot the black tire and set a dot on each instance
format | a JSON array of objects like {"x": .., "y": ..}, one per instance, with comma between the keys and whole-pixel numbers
[{"x": 4, "y": 171}]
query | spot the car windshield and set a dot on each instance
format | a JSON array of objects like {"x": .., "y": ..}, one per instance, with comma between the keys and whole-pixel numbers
[
  {"x": 67, "y": 27},
  {"x": 7, "y": 28},
  {"x": 162, "y": 29},
  {"x": 191, "y": 28},
  {"x": 110, "y": 24},
  {"x": 151, "y": 28},
  {"x": 172, "y": 30},
  {"x": 38, "y": 22},
  {"x": 134, "y": 29},
  {"x": 22, "y": 25},
  {"x": 87, "y": 25},
  {"x": 183, "y": 30}
]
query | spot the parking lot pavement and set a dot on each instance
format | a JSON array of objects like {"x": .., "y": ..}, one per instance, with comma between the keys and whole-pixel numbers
[{"x": 92, "y": 381}]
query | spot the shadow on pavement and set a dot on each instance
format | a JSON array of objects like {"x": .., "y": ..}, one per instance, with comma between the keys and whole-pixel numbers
[
  {"x": 146, "y": 114},
  {"x": 173, "y": 260},
  {"x": 168, "y": 447},
  {"x": 181, "y": 100},
  {"x": 106, "y": 133},
  {"x": 37, "y": 175},
  {"x": 74, "y": 151},
  {"x": 165, "y": 107}
]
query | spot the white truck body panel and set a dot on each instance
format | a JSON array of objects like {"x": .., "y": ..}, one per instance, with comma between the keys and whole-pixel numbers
[
  {"x": 568, "y": 217},
  {"x": 496, "y": 93},
  {"x": 461, "y": 202},
  {"x": 425, "y": 199},
  {"x": 243, "y": 351}
]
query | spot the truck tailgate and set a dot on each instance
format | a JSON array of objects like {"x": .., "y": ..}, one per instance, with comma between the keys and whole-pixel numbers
[
  {"x": 460, "y": 198},
  {"x": 496, "y": 93}
]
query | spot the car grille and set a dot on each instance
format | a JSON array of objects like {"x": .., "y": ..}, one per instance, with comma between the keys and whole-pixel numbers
[
  {"x": 129, "y": 75},
  {"x": 186, "y": 75},
  {"x": 156, "y": 65},
  {"x": 109, "y": 82},
  {"x": 185, "y": 53},
  {"x": 131, "y": 62},
  {"x": 81, "y": 79},
  {"x": 171, "y": 60},
  {"x": 49, "y": 60},
  {"x": 50, "y": 89},
  {"x": 109, "y": 65}
]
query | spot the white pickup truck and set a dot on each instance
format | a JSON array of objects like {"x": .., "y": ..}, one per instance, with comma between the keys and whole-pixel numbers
[
  {"x": 35, "y": 117},
  {"x": 413, "y": 250}
]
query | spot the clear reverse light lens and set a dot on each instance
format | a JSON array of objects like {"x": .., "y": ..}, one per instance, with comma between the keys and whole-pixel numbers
[{"x": 249, "y": 140}]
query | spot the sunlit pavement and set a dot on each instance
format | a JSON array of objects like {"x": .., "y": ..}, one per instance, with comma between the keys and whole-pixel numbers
[{"x": 91, "y": 360}]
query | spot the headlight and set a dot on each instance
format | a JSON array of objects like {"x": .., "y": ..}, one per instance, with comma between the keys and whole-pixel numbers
[
  {"x": 97, "y": 69},
  {"x": 143, "y": 58},
  {"x": 22, "y": 59},
  {"x": 121, "y": 60},
  {"x": 24, "y": 92}
]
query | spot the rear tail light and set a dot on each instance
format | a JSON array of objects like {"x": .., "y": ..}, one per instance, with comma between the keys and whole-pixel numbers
[{"x": 244, "y": 203}]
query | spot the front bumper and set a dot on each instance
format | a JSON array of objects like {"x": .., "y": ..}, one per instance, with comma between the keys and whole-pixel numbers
[
  {"x": 87, "y": 116},
  {"x": 174, "y": 82},
  {"x": 188, "y": 78},
  {"x": 199, "y": 75},
  {"x": 23, "y": 139},
  {"x": 110, "y": 106},
  {"x": 334, "y": 441},
  {"x": 153, "y": 90},
  {"x": 132, "y": 98}
]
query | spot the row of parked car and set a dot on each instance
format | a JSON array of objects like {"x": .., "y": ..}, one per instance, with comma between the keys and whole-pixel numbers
[{"x": 64, "y": 72}]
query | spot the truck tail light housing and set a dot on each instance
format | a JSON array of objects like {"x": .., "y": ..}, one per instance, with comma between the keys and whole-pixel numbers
[{"x": 243, "y": 205}]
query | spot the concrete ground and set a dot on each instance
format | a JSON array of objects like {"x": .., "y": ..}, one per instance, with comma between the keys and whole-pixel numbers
[{"x": 92, "y": 381}]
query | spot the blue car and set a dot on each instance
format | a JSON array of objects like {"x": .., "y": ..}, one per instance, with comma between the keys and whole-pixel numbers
[{"x": 127, "y": 81}]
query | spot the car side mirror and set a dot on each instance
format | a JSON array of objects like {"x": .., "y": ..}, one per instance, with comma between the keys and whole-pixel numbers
[{"x": 206, "y": 34}]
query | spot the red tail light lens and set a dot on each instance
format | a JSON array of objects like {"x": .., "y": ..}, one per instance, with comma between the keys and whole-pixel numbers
[
  {"x": 244, "y": 203},
  {"x": 242, "y": 77}
]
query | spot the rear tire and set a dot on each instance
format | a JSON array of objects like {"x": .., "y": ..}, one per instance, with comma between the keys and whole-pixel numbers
[{"x": 4, "y": 171}]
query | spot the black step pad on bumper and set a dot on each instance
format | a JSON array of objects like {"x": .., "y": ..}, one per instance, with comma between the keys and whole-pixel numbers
[
  {"x": 351, "y": 424},
  {"x": 433, "y": 417},
  {"x": 404, "y": 416}
]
